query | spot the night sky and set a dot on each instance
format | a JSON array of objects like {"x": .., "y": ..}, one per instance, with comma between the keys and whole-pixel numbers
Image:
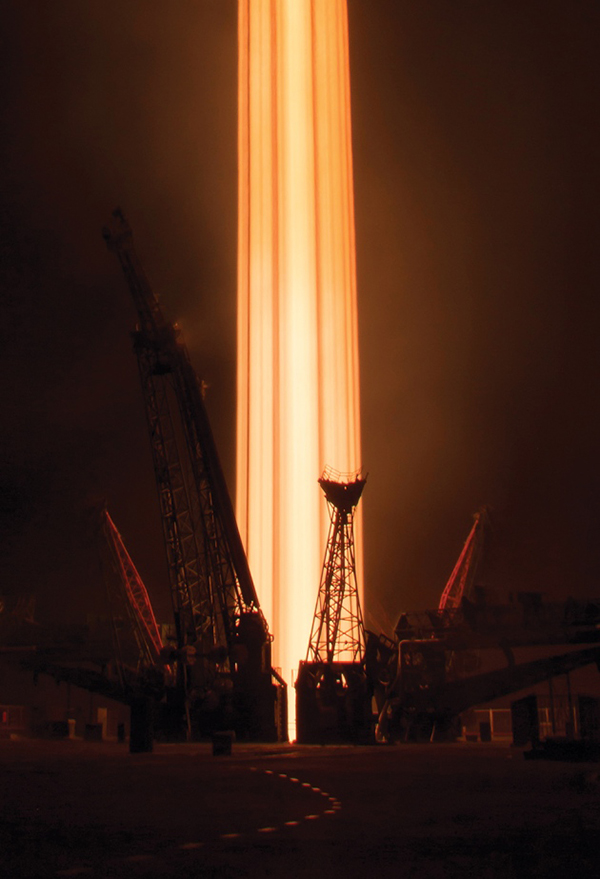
[{"x": 475, "y": 126}]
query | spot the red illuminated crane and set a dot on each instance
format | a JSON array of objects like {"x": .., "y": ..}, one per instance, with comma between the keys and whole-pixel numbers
[
  {"x": 224, "y": 646},
  {"x": 133, "y": 669},
  {"x": 435, "y": 672},
  {"x": 462, "y": 577},
  {"x": 137, "y": 600},
  {"x": 332, "y": 700}
]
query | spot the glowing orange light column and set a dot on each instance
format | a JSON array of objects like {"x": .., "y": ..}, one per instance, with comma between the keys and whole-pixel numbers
[{"x": 298, "y": 391}]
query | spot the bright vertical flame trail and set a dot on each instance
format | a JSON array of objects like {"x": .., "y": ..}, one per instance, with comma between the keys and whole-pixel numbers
[{"x": 298, "y": 392}]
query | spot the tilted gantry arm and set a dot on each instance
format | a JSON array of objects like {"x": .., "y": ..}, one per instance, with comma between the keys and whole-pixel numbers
[
  {"x": 160, "y": 345},
  {"x": 135, "y": 592},
  {"x": 216, "y": 608}
]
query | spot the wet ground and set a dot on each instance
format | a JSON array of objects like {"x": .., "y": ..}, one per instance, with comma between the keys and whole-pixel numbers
[{"x": 73, "y": 808}]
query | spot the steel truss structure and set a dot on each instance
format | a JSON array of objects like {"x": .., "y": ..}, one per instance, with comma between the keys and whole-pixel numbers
[
  {"x": 463, "y": 574},
  {"x": 333, "y": 700},
  {"x": 338, "y": 632},
  {"x": 137, "y": 602},
  {"x": 223, "y": 641}
]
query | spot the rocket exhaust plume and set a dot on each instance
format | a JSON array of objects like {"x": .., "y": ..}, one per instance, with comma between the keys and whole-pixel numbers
[{"x": 298, "y": 379}]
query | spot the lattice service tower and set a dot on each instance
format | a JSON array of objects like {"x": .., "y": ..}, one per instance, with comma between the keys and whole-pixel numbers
[
  {"x": 332, "y": 700},
  {"x": 337, "y": 630}
]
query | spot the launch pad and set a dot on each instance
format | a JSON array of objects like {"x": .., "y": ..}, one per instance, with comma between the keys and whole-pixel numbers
[
  {"x": 280, "y": 810},
  {"x": 354, "y": 686}
]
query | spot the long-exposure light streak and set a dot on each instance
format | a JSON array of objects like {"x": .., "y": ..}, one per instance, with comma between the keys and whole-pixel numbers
[{"x": 298, "y": 384}]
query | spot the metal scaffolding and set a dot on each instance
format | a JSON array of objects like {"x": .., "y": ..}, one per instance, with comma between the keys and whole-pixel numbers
[{"x": 338, "y": 632}]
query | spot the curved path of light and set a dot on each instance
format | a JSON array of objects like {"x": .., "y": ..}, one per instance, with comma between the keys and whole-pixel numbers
[{"x": 327, "y": 806}]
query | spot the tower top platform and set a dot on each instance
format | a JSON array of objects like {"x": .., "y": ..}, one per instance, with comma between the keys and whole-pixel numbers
[{"x": 342, "y": 490}]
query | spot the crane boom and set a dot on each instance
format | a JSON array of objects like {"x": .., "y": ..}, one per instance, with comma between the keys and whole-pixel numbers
[
  {"x": 217, "y": 613},
  {"x": 161, "y": 353},
  {"x": 465, "y": 569},
  {"x": 135, "y": 590}
]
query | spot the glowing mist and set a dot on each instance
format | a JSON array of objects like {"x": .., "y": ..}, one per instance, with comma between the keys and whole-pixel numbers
[{"x": 298, "y": 383}]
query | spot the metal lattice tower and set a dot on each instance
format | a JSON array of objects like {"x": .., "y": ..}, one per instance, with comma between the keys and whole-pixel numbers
[
  {"x": 223, "y": 665},
  {"x": 211, "y": 585},
  {"x": 338, "y": 632}
]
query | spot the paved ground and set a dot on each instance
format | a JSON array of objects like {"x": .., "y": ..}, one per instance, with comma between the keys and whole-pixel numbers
[{"x": 85, "y": 809}]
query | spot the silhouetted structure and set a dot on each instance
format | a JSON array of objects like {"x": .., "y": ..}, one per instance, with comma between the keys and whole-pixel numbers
[
  {"x": 332, "y": 698},
  {"x": 224, "y": 674}
]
